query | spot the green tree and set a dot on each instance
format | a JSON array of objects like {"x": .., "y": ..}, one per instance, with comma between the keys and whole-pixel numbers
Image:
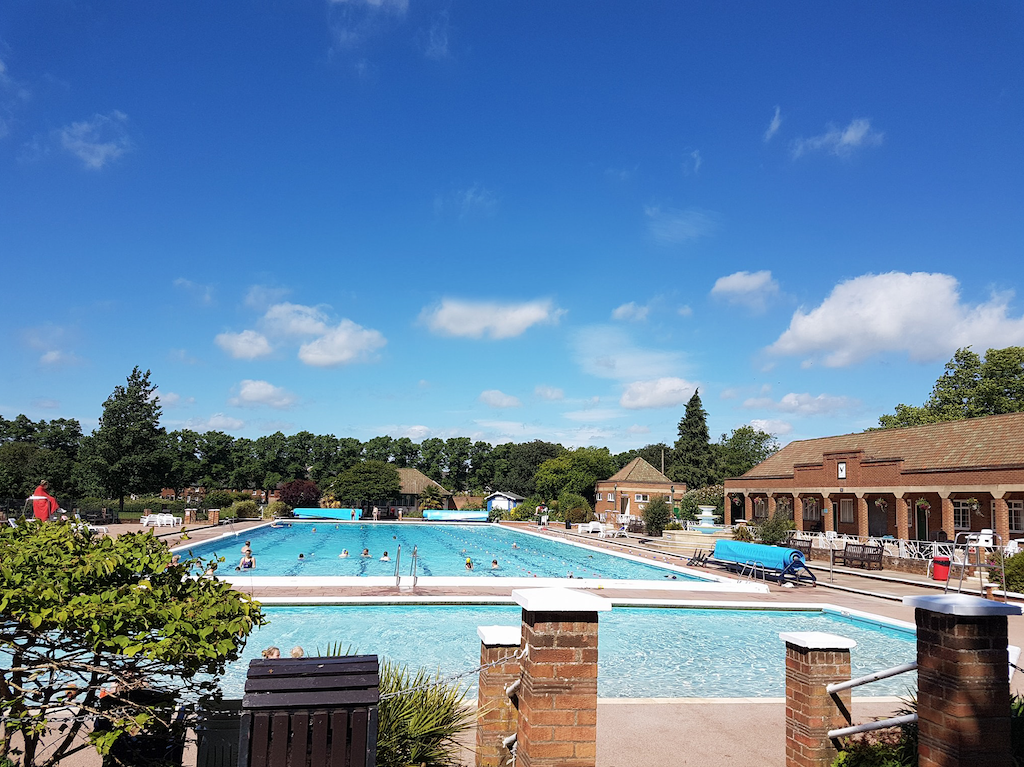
[
  {"x": 127, "y": 451},
  {"x": 406, "y": 453},
  {"x": 367, "y": 481},
  {"x": 516, "y": 465},
  {"x": 657, "y": 514},
  {"x": 575, "y": 471},
  {"x": 743, "y": 449},
  {"x": 79, "y": 614},
  {"x": 432, "y": 458},
  {"x": 694, "y": 457},
  {"x": 300, "y": 494},
  {"x": 182, "y": 461},
  {"x": 574, "y": 508},
  {"x": 456, "y": 459},
  {"x": 431, "y": 498},
  {"x": 216, "y": 454},
  {"x": 378, "y": 449},
  {"x": 651, "y": 453}
]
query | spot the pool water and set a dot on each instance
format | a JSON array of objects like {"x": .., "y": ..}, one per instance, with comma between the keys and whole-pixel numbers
[
  {"x": 442, "y": 551},
  {"x": 642, "y": 652}
]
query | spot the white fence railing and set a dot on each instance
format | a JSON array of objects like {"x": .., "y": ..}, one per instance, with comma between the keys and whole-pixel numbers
[{"x": 895, "y": 548}]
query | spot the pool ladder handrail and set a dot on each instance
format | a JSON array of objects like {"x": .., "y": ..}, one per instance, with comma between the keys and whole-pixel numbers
[
  {"x": 398, "y": 564},
  {"x": 414, "y": 566},
  {"x": 881, "y": 724},
  {"x": 752, "y": 568}
]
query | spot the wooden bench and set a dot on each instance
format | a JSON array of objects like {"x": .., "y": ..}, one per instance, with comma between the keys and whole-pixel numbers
[
  {"x": 865, "y": 555},
  {"x": 310, "y": 711},
  {"x": 802, "y": 545}
]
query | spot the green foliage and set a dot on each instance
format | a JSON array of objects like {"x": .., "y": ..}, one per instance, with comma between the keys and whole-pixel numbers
[
  {"x": 694, "y": 458},
  {"x": 367, "y": 481},
  {"x": 882, "y": 748},
  {"x": 277, "y": 509},
  {"x": 431, "y": 498},
  {"x": 512, "y": 467},
  {"x": 218, "y": 499},
  {"x": 419, "y": 728},
  {"x": 774, "y": 530},
  {"x": 527, "y": 510},
  {"x": 244, "y": 510},
  {"x": 1014, "y": 567},
  {"x": 673, "y": 525},
  {"x": 657, "y": 514},
  {"x": 82, "y": 613},
  {"x": 743, "y": 449},
  {"x": 742, "y": 533},
  {"x": 969, "y": 387},
  {"x": 574, "y": 508},
  {"x": 712, "y": 495},
  {"x": 575, "y": 471},
  {"x": 127, "y": 452}
]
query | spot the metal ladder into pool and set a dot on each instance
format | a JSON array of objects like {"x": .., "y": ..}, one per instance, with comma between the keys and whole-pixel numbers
[
  {"x": 975, "y": 543},
  {"x": 752, "y": 568}
]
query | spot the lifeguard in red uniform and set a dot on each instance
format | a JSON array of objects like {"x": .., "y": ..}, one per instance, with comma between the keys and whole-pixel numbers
[{"x": 44, "y": 505}]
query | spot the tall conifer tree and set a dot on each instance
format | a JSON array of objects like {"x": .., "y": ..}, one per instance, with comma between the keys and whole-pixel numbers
[{"x": 694, "y": 456}]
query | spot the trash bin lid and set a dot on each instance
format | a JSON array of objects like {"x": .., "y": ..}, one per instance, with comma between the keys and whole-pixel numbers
[{"x": 941, "y": 558}]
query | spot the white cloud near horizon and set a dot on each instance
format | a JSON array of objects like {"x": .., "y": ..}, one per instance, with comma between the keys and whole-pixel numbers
[
  {"x": 921, "y": 314},
  {"x": 607, "y": 351},
  {"x": 804, "y": 404},
  {"x": 247, "y": 345},
  {"x": 659, "y": 392},
  {"x": 98, "y": 140},
  {"x": 262, "y": 297},
  {"x": 674, "y": 227},
  {"x": 254, "y": 393},
  {"x": 548, "y": 393},
  {"x": 631, "y": 312},
  {"x": 750, "y": 289},
  {"x": 498, "y": 399},
  {"x": 772, "y": 426},
  {"x": 591, "y": 415},
  {"x": 344, "y": 344},
  {"x": 840, "y": 142},
  {"x": 774, "y": 125},
  {"x": 216, "y": 422},
  {"x": 295, "y": 320},
  {"x": 172, "y": 399},
  {"x": 491, "y": 319}
]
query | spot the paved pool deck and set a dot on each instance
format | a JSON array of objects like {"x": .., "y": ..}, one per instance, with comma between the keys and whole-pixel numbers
[{"x": 658, "y": 733}]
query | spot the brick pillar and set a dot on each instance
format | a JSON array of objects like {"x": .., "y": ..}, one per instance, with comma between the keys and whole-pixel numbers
[
  {"x": 1003, "y": 520},
  {"x": 798, "y": 513},
  {"x": 496, "y": 715},
  {"x": 862, "y": 517},
  {"x": 813, "y": 660},
  {"x": 558, "y": 693},
  {"x": 902, "y": 519},
  {"x": 727, "y": 518},
  {"x": 213, "y": 516},
  {"x": 748, "y": 507},
  {"x": 963, "y": 689},
  {"x": 829, "y": 519},
  {"x": 771, "y": 505},
  {"x": 947, "y": 518}
]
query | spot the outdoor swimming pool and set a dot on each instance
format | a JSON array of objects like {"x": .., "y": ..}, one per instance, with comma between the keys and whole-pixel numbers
[
  {"x": 442, "y": 550},
  {"x": 643, "y": 652}
]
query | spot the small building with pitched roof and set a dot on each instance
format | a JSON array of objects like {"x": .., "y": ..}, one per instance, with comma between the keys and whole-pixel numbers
[
  {"x": 627, "y": 492},
  {"x": 503, "y": 501},
  {"x": 916, "y": 483},
  {"x": 414, "y": 482}
]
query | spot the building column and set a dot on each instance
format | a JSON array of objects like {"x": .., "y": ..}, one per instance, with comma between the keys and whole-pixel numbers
[
  {"x": 798, "y": 512},
  {"x": 496, "y": 715},
  {"x": 813, "y": 660},
  {"x": 947, "y": 517},
  {"x": 558, "y": 693},
  {"x": 1002, "y": 518},
  {"x": 902, "y": 519},
  {"x": 862, "y": 517},
  {"x": 829, "y": 521},
  {"x": 727, "y": 510},
  {"x": 748, "y": 508},
  {"x": 771, "y": 505},
  {"x": 963, "y": 691}
]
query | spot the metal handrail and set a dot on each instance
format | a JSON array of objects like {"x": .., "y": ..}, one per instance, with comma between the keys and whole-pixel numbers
[
  {"x": 885, "y": 674},
  {"x": 881, "y": 724},
  {"x": 398, "y": 564},
  {"x": 414, "y": 566}
]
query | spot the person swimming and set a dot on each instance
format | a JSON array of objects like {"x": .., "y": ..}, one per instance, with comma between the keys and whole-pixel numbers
[
  {"x": 385, "y": 557},
  {"x": 494, "y": 564},
  {"x": 469, "y": 563},
  {"x": 515, "y": 545},
  {"x": 302, "y": 557},
  {"x": 366, "y": 553},
  {"x": 343, "y": 554},
  {"x": 247, "y": 562}
]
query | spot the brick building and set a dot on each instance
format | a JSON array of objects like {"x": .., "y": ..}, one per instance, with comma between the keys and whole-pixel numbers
[
  {"x": 918, "y": 483},
  {"x": 629, "y": 490}
]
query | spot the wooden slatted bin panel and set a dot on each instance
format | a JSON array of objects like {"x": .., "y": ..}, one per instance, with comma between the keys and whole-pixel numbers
[{"x": 310, "y": 712}]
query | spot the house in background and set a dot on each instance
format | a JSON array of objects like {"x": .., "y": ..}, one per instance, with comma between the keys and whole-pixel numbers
[
  {"x": 414, "y": 482},
  {"x": 463, "y": 502},
  {"x": 503, "y": 501},
  {"x": 916, "y": 483},
  {"x": 627, "y": 492}
]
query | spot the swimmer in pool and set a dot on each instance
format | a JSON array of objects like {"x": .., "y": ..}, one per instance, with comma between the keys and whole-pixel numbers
[
  {"x": 469, "y": 563},
  {"x": 385, "y": 557},
  {"x": 366, "y": 553},
  {"x": 343, "y": 554},
  {"x": 494, "y": 564},
  {"x": 302, "y": 557},
  {"x": 515, "y": 545}
]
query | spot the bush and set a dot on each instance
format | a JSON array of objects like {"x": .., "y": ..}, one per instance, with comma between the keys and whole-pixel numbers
[
  {"x": 742, "y": 533},
  {"x": 413, "y": 514},
  {"x": 775, "y": 530},
  {"x": 712, "y": 495},
  {"x": 574, "y": 508},
  {"x": 527, "y": 510},
  {"x": 674, "y": 525},
  {"x": 300, "y": 494},
  {"x": 1014, "y": 573},
  {"x": 277, "y": 509},
  {"x": 657, "y": 514},
  {"x": 218, "y": 499},
  {"x": 244, "y": 510}
]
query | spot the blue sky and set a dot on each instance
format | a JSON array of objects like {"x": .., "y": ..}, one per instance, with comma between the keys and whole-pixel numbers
[{"x": 509, "y": 221}]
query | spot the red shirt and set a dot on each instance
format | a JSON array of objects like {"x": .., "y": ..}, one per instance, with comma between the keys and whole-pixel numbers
[{"x": 43, "y": 504}]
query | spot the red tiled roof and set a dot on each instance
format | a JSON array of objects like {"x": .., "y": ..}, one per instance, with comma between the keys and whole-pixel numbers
[
  {"x": 995, "y": 440},
  {"x": 638, "y": 470}
]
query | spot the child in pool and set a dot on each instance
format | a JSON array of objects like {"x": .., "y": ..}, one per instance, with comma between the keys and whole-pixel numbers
[
  {"x": 385, "y": 557},
  {"x": 494, "y": 564},
  {"x": 366, "y": 553},
  {"x": 343, "y": 554}
]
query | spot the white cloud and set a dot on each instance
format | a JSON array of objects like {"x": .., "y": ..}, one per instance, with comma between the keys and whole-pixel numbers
[
  {"x": 496, "y": 398},
  {"x": 674, "y": 227},
  {"x": 660, "y": 392},
  {"x": 774, "y": 125},
  {"x": 45, "y": 403},
  {"x": 216, "y": 422},
  {"x": 97, "y": 141},
  {"x": 474, "y": 200},
  {"x": 772, "y": 426},
  {"x": 253, "y": 393},
  {"x": 295, "y": 320},
  {"x": 591, "y": 415},
  {"x": 172, "y": 399},
  {"x": 58, "y": 358},
  {"x": 476, "y": 319},
  {"x": 417, "y": 433},
  {"x": 639, "y": 429},
  {"x": 200, "y": 292},
  {"x": 606, "y": 351},
  {"x": 247, "y": 345},
  {"x": 685, "y": 311},
  {"x": 261, "y": 297},
  {"x": 750, "y": 289},
  {"x": 694, "y": 162},
  {"x": 920, "y": 314},
  {"x": 342, "y": 345},
  {"x": 437, "y": 38},
  {"x": 804, "y": 404},
  {"x": 839, "y": 141},
  {"x": 549, "y": 393},
  {"x": 631, "y": 312}
]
